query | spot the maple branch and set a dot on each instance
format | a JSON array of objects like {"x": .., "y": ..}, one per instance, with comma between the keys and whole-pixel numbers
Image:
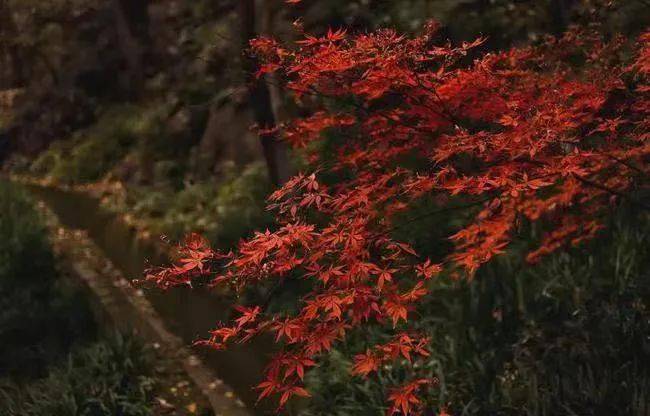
[
  {"x": 445, "y": 113},
  {"x": 626, "y": 164},
  {"x": 315, "y": 93},
  {"x": 433, "y": 213},
  {"x": 611, "y": 191},
  {"x": 646, "y": 3},
  {"x": 271, "y": 294},
  {"x": 367, "y": 112},
  {"x": 441, "y": 102}
]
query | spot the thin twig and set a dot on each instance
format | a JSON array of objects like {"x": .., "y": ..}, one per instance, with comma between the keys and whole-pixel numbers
[
  {"x": 433, "y": 213},
  {"x": 611, "y": 191}
]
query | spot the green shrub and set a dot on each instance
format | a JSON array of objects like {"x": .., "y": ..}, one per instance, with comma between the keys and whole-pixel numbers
[
  {"x": 39, "y": 314},
  {"x": 223, "y": 211},
  {"x": 24, "y": 251}
]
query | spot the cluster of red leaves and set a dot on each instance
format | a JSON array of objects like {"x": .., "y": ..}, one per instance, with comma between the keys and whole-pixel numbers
[
  {"x": 403, "y": 345},
  {"x": 520, "y": 135}
]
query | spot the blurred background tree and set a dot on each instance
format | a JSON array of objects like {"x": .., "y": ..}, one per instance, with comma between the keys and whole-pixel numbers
[{"x": 66, "y": 64}]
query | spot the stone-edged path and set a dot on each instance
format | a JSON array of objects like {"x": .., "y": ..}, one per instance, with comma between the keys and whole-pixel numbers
[{"x": 118, "y": 305}]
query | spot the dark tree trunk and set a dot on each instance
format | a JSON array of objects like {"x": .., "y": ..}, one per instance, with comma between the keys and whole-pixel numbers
[
  {"x": 136, "y": 14},
  {"x": 275, "y": 150},
  {"x": 12, "y": 57},
  {"x": 132, "y": 27},
  {"x": 132, "y": 20},
  {"x": 560, "y": 15}
]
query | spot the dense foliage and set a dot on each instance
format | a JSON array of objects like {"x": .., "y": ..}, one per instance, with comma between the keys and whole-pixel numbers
[{"x": 554, "y": 135}]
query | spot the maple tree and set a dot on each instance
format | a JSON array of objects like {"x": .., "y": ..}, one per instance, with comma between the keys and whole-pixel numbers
[{"x": 555, "y": 134}]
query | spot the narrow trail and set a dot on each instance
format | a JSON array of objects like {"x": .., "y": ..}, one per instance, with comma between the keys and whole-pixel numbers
[{"x": 103, "y": 253}]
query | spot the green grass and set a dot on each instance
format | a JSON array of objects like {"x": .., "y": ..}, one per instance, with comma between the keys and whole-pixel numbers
[{"x": 110, "y": 377}]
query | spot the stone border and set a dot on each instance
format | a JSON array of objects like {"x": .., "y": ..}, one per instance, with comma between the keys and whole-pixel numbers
[{"x": 120, "y": 306}]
